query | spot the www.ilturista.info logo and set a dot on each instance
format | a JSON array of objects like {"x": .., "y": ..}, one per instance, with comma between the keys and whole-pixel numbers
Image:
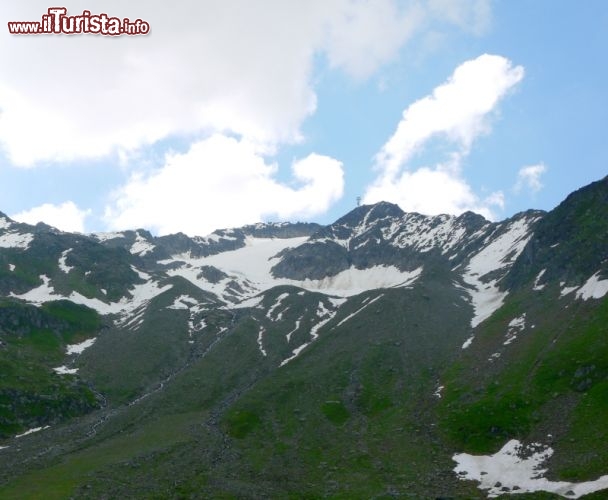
[{"x": 57, "y": 22}]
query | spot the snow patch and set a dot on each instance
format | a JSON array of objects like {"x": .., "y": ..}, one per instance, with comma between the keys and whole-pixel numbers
[
  {"x": 359, "y": 310},
  {"x": 38, "y": 295},
  {"x": 11, "y": 267},
  {"x": 141, "y": 246},
  {"x": 62, "y": 264},
  {"x": 288, "y": 336},
  {"x": 295, "y": 353},
  {"x": 260, "y": 340},
  {"x": 354, "y": 281},
  {"x": 499, "y": 254},
  {"x": 322, "y": 310},
  {"x": 335, "y": 301},
  {"x": 313, "y": 334},
  {"x": 566, "y": 290},
  {"x": 594, "y": 288},
  {"x": 438, "y": 392},
  {"x": 519, "y": 322},
  {"x": 141, "y": 274},
  {"x": 468, "y": 342},
  {"x": 16, "y": 240},
  {"x": 277, "y": 304},
  {"x": 64, "y": 370},
  {"x": 101, "y": 237},
  {"x": 279, "y": 316},
  {"x": 79, "y": 348},
  {"x": 486, "y": 298},
  {"x": 182, "y": 302},
  {"x": 31, "y": 431},
  {"x": 515, "y": 326},
  {"x": 508, "y": 469},
  {"x": 252, "y": 302},
  {"x": 5, "y": 223},
  {"x": 537, "y": 287},
  {"x": 195, "y": 328},
  {"x": 318, "y": 326}
]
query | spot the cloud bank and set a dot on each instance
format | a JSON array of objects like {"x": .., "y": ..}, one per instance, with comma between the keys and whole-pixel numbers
[
  {"x": 66, "y": 216},
  {"x": 232, "y": 66},
  {"x": 223, "y": 182},
  {"x": 228, "y": 77}
]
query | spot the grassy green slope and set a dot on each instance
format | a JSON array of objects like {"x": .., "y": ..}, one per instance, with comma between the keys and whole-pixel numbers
[
  {"x": 352, "y": 416},
  {"x": 550, "y": 385},
  {"x": 32, "y": 342}
]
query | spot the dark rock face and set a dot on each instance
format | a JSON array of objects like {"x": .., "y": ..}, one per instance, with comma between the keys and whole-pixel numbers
[
  {"x": 16, "y": 320},
  {"x": 281, "y": 230},
  {"x": 571, "y": 242},
  {"x": 212, "y": 274},
  {"x": 312, "y": 260}
]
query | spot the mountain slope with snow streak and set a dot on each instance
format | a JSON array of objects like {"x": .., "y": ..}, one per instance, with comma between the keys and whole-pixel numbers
[
  {"x": 247, "y": 271},
  {"x": 327, "y": 355},
  {"x": 487, "y": 267}
]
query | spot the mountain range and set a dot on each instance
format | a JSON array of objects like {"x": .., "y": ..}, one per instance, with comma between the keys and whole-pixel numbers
[{"x": 388, "y": 354}]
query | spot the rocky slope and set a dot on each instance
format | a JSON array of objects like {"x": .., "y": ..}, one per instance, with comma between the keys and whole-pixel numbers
[{"x": 357, "y": 359}]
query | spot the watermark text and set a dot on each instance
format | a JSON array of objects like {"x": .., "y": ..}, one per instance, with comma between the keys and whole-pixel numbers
[{"x": 57, "y": 22}]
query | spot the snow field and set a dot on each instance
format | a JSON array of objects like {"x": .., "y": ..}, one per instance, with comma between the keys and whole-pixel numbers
[{"x": 507, "y": 471}]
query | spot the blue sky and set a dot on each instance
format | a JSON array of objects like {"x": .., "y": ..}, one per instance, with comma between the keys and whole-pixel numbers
[{"x": 228, "y": 113}]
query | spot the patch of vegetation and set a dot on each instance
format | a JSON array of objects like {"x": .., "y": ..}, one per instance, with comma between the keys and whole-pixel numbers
[
  {"x": 80, "y": 319},
  {"x": 239, "y": 423},
  {"x": 33, "y": 342},
  {"x": 124, "y": 450},
  {"x": 335, "y": 412}
]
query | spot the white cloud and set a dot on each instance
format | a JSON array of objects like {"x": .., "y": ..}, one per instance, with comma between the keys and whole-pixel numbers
[
  {"x": 530, "y": 177},
  {"x": 223, "y": 182},
  {"x": 456, "y": 113},
  {"x": 470, "y": 15},
  {"x": 230, "y": 66},
  {"x": 435, "y": 191},
  {"x": 457, "y": 109},
  {"x": 67, "y": 216},
  {"x": 369, "y": 34}
]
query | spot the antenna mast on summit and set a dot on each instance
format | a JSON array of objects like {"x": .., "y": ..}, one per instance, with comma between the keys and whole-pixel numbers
[{"x": 358, "y": 201}]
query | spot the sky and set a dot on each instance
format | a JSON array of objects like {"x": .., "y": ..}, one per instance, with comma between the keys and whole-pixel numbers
[{"x": 233, "y": 112}]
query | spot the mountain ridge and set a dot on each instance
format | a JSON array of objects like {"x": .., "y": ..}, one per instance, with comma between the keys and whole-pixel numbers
[{"x": 298, "y": 358}]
